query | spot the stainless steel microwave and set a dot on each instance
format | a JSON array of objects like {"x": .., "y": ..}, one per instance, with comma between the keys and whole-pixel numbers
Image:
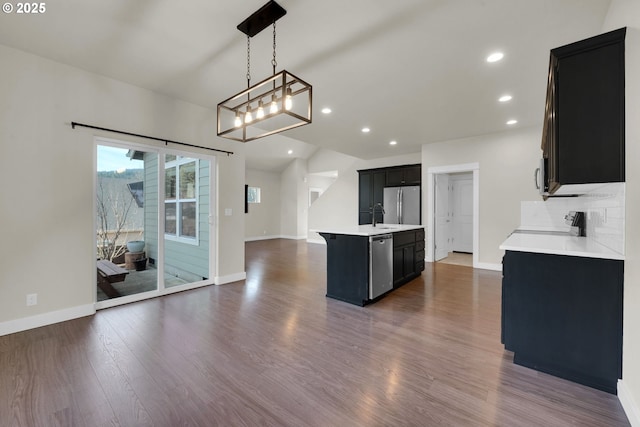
[{"x": 541, "y": 177}]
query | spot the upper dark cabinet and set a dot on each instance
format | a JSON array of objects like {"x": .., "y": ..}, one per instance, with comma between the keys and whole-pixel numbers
[
  {"x": 583, "y": 135},
  {"x": 371, "y": 192},
  {"x": 405, "y": 175}
]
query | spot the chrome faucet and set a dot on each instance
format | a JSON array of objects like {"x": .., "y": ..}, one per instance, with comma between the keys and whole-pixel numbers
[{"x": 373, "y": 212}]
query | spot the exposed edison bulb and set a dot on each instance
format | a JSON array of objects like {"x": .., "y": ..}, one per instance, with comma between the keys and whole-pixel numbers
[
  {"x": 288, "y": 103},
  {"x": 238, "y": 121},
  {"x": 248, "y": 118},
  {"x": 260, "y": 112},
  {"x": 274, "y": 105}
]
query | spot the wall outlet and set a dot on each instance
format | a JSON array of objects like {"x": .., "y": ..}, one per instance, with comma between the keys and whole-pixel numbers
[{"x": 32, "y": 299}]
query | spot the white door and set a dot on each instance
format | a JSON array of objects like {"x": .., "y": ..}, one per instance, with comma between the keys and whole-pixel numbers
[
  {"x": 463, "y": 214},
  {"x": 442, "y": 219}
]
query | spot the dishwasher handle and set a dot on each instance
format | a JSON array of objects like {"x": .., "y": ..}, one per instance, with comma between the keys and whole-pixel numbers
[{"x": 380, "y": 238}]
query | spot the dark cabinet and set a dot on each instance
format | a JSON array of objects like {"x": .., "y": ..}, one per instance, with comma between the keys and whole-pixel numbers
[
  {"x": 408, "y": 256},
  {"x": 563, "y": 315},
  {"x": 371, "y": 184},
  {"x": 405, "y": 175},
  {"x": 583, "y": 135},
  {"x": 347, "y": 267},
  {"x": 371, "y": 192}
]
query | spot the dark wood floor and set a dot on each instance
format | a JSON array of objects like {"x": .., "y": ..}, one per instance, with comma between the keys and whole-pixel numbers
[{"x": 274, "y": 351}]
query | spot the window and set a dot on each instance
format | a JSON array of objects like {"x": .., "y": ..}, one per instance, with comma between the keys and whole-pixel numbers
[
  {"x": 181, "y": 198},
  {"x": 253, "y": 195}
]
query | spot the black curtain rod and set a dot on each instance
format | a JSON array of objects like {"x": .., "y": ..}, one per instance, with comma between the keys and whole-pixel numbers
[{"x": 166, "y": 141}]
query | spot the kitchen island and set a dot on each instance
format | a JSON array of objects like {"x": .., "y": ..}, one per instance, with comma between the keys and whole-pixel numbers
[
  {"x": 562, "y": 306},
  {"x": 353, "y": 277}
]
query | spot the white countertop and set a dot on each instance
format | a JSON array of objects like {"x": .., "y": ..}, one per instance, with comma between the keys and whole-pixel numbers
[
  {"x": 558, "y": 245},
  {"x": 368, "y": 229}
]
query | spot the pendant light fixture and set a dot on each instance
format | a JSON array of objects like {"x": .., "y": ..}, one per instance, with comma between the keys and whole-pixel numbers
[{"x": 277, "y": 103}]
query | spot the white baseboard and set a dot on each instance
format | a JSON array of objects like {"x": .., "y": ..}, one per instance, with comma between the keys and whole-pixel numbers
[
  {"x": 318, "y": 241},
  {"x": 480, "y": 265},
  {"x": 256, "y": 238},
  {"x": 221, "y": 280},
  {"x": 31, "y": 322},
  {"x": 629, "y": 405},
  {"x": 282, "y": 236},
  {"x": 488, "y": 266},
  {"x": 293, "y": 237}
]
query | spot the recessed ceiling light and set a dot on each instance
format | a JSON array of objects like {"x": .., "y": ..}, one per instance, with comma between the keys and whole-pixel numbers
[
  {"x": 494, "y": 57},
  {"x": 512, "y": 122},
  {"x": 393, "y": 142},
  {"x": 366, "y": 130},
  {"x": 505, "y": 98},
  {"x": 326, "y": 110},
  {"x": 290, "y": 152}
]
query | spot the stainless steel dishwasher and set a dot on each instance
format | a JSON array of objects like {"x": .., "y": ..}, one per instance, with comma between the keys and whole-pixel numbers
[{"x": 380, "y": 264}]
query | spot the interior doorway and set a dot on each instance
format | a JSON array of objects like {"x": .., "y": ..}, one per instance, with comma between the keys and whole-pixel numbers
[
  {"x": 453, "y": 232},
  {"x": 452, "y": 214}
]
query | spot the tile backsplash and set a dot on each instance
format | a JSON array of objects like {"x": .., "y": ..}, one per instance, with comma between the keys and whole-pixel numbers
[
  {"x": 549, "y": 215},
  {"x": 604, "y": 209}
]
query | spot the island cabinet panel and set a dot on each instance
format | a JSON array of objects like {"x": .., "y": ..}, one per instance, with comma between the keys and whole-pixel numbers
[
  {"x": 347, "y": 267},
  {"x": 408, "y": 256},
  {"x": 563, "y": 315}
]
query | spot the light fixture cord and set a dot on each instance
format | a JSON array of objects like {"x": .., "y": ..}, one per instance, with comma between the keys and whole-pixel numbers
[
  {"x": 273, "y": 61},
  {"x": 248, "y": 61}
]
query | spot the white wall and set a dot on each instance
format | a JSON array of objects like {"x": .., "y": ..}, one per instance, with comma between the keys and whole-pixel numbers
[
  {"x": 284, "y": 211},
  {"x": 47, "y": 174},
  {"x": 294, "y": 200},
  {"x": 507, "y": 161},
  {"x": 327, "y": 160},
  {"x": 627, "y": 13},
  {"x": 263, "y": 219},
  {"x": 320, "y": 182}
]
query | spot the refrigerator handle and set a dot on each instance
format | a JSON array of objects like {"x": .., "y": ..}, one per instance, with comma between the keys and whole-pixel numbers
[{"x": 400, "y": 206}]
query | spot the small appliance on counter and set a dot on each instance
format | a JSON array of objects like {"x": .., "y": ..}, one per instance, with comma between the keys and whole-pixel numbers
[{"x": 577, "y": 221}]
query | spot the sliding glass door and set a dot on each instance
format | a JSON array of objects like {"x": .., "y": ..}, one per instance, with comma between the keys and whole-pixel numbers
[{"x": 153, "y": 228}]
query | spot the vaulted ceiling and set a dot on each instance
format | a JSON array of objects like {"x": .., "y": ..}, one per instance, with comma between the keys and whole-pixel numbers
[{"x": 413, "y": 71}]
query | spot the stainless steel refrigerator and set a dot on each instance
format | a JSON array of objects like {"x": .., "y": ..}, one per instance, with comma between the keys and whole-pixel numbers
[{"x": 402, "y": 205}]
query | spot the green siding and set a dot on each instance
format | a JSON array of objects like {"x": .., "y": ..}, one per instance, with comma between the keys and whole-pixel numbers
[{"x": 187, "y": 261}]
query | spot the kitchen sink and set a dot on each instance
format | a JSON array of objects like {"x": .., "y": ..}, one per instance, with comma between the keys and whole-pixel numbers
[{"x": 385, "y": 227}]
